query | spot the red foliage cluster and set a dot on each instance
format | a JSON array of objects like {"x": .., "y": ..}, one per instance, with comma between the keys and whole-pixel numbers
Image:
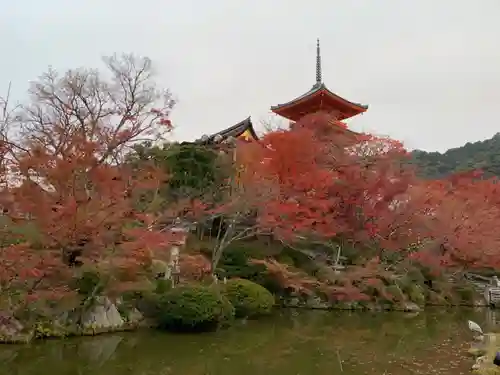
[
  {"x": 327, "y": 185},
  {"x": 194, "y": 266},
  {"x": 322, "y": 182},
  {"x": 76, "y": 210}
]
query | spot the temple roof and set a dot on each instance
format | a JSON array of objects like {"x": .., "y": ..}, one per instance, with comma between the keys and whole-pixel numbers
[
  {"x": 243, "y": 129},
  {"x": 317, "y": 90},
  {"x": 318, "y": 98}
]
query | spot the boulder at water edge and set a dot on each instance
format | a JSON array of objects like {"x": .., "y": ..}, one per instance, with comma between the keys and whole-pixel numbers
[{"x": 103, "y": 317}]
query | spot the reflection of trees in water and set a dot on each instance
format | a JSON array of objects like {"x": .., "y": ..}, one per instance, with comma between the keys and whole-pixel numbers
[{"x": 304, "y": 342}]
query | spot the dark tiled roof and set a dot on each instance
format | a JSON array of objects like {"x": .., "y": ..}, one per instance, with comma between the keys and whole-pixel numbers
[{"x": 234, "y": 131}]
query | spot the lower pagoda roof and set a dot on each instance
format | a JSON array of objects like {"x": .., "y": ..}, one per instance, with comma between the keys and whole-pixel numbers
[
  {"x": 319, "y": 98},
  {"x": 242, "y": 130}
]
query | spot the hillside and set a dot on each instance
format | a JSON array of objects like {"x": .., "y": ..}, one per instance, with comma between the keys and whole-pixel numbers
[{"x": 483, "y": 155}]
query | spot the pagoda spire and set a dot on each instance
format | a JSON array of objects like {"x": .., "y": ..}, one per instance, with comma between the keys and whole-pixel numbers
[
  {"x": 318, "y": 99},
  {"x": 319, "y": 79}
]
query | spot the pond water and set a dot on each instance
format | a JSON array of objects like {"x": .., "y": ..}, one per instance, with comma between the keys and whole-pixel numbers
[{"x": 289, "y": 343}]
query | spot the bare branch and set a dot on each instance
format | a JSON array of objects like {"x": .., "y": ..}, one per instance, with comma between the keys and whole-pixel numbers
[{"x": 113, "y": 113}]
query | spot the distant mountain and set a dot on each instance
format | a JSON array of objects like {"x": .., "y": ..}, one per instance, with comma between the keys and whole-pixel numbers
[{"x": 483, "y": 155}]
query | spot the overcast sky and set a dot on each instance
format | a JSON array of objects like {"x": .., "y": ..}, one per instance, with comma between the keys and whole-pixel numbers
[{"x": 429, "y": 69}]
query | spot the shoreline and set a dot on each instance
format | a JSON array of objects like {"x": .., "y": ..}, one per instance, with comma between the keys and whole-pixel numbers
[{"x": 57, "y": 332}]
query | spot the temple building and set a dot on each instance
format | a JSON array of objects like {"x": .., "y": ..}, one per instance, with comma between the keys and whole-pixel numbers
[
  {"x": 242, "y": 130},
  {"x": 319, "y": 99}
]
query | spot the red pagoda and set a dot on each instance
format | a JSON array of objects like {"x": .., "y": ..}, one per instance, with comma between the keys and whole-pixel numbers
[{"x": 319, "y": 99}]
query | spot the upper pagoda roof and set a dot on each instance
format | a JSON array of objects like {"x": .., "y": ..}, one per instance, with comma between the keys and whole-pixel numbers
[
  {"x": 319, "y": 98},
  {"x": 243, "y": 130}
]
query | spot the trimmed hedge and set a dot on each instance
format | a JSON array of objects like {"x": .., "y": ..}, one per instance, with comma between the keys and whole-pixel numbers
[
  {"x": 248, "y": 298},
  {"x": 193, "y": 308}
]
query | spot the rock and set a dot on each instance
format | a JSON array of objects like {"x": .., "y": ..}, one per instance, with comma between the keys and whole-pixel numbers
[
  {"x": 134, "y": 317},
  {"x": 476, "y": 351},
  {"x": 411, "y": 307},
  {"x": 317, "y": 303},
  {"x": 12, "y": 331},
  {"x": 485, "y": 353},
  {"x": 103, "y": 317}
]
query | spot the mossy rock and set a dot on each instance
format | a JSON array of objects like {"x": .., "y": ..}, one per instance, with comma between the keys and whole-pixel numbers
[
  {"x": 193, "y": 308},
  {"x": 248, "y": 298},
  {"x": 484, "y": 364},
  {"x": 45, "y": 329},
  {"x": 476, "y": 352}
]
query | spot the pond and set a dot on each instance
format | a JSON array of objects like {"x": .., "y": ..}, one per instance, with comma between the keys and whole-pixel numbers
[{"x": 289, "y": 343}]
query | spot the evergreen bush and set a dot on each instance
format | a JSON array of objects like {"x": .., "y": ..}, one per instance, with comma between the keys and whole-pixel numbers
[
  {"x": 248, "y": 298},
  {"x": 193, "y": 308}
]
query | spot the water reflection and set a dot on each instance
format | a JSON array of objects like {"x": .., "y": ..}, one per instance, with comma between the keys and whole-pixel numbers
[{"x": 304, "y": 343}]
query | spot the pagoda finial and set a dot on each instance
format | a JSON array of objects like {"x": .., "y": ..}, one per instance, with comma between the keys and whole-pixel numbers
[{"x": 319, "y": 79}]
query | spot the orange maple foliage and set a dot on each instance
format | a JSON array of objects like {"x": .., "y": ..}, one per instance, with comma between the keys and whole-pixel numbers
[
  {"x": 82, "y": 212},
  {"x": 322, "y": 182},
  {"x": 326, "y": 184}
]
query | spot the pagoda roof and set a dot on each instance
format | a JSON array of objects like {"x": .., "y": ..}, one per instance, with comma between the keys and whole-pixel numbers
[
  {"x": 319, "y": 98},
  {"x": 328, "y": 100},
  {"x": 243, "y": 129}
]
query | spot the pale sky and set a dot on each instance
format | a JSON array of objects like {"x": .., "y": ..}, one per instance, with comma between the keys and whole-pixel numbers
[{"x": 428, "y": 69}]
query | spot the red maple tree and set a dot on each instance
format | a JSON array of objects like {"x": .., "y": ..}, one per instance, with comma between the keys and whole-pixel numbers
[
  {"x": 463, "y": 215},
  {"x": 326, "y": 184},
  {"x": 70, "y": 200}
]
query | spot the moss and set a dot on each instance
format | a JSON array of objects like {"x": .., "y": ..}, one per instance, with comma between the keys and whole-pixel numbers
[
  {"x": 248, "y": 298},
  {"x": 44, "y": 330},
  {"x": 193, "y": 308}
]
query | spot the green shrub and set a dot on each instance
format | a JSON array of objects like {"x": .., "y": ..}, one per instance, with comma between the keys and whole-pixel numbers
[
  {"x": 193, "y": 308},
  {"x": 162, "y": 286},
  {"x": 248, "y": 298},
  {"x": 228, "y": 311},
  {"x": 89, "y": 283},
  {"x": 236, "y": 263}
]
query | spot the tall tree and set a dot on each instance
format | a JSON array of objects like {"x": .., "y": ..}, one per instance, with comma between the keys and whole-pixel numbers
[
  {"x": 325, "y": 184},
  {"x": 63, "y": 178}
]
